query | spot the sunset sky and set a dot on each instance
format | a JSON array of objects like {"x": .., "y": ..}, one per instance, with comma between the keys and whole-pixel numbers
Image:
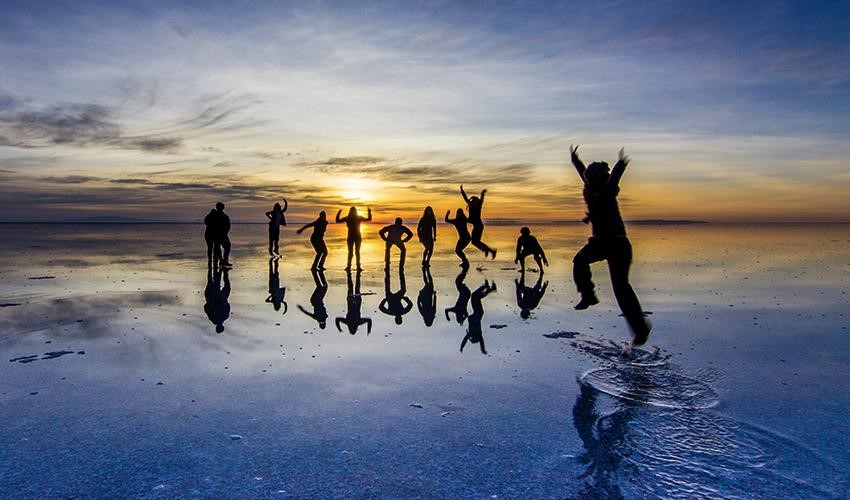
[{"x": 731, "y": 111}]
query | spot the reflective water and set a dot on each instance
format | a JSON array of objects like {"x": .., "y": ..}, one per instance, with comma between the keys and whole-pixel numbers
[{"x": 131, "y": 370}]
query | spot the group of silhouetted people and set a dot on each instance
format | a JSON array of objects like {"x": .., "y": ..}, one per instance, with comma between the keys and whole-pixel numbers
[{"x": 608, "y": 242}]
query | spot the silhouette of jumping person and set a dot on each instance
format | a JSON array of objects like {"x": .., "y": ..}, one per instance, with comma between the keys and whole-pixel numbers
[
  {"x": 426, "y": 301},
  {"x": 427, "y": 233},
  {"x": 395, "y": 303},
  {"x": 353, "y": 318},
  {"x": 473, "y": 328},
  {"x": 459, "y": 222},
  {"x": 474, "y": 204},
  {"x": 527, "y": 245},
  {"x": 355, "y": 239},
  {"x": 528, "y": 298},
  {"x": 217, "y": 306},
  {"x": 608, "y": 242},
  {"x": 395, "y": 235},
  {"x": 213, "y": 247},
  {"x": 276, "y": 219},
  {"x": 463, "y": 295},
  {"x": 276, "y": 293},
  {"x": 317, "y": 299},
  {"x": 317, "y": 239},
  {"x": 218, "y": 225}
]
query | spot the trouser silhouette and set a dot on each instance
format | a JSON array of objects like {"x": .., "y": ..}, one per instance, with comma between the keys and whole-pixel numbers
[{"x": 618, "y": 252}]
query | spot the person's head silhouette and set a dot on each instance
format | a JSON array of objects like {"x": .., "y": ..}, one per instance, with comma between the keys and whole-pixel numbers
[
  {"x": 596, "y": 175},
  {"x": 459, "y": 214},
  {"x": 398, "y": 320},
  {"x": 219, "y": 206},
  {"x": 525, "y": 231},
  {"x": 428, "y": 213},
  {"x": 524, "y": 314},
  {"x": 276, "y": 207},
  {"x": 398, "y": 221},
  {"x": 219, "y": 328},
  {"x": 352, "y": 212},
  {"x": 323, "y": 215}
]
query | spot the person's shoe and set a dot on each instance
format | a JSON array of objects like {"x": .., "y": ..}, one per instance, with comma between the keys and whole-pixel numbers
[
  {"x": 348, "y": 267},
  {"x": 641, "y": 335},
  {"x": 586, "y": 301},
  {"x": 493, "y": 254},
  {"x": 226, "y": 263}
]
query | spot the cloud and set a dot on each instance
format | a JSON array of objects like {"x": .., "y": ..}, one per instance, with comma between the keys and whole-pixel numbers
[{"x": 70, "y": 179}]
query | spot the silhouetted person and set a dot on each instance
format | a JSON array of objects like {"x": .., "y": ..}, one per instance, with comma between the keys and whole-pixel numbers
[
  {"x": 463, "y": 295},
  {"x": 218, "y": 226},
  {"x": 355, "y": 239},
  {"x": 395, "y": 303},
  {"x": 473, "y": 328},
  {"x": 609, "y": 242},
  {"x": 317, "y": 239},
  {"x": 474, "y": 204},
  {"x": 217, "y": 306},
  {"x": 395, "y": 235},
  {"x": 276, "y": 219},
  {"x": 459, "y": 222},
  {"x": 527, "y": 245},
  {"x": 276, "y": 293},
  {"x": 353, "y": 319},
  {"x": 528, "y": 298},
  {"x": 426, "y": 302},
  {"x": 213, "y": 247},
  {"x": 317, "y": 299},
  {"x": 427, "y": 233}
]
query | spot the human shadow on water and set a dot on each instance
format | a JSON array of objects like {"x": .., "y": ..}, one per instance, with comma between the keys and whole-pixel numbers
[
  {"x": 395, "y": 304},
  {"x": 317, "y": 299},
  {"x": 528, "y": 298},
  {"x": 276, "y": 292},
  {"x": 217, "y": 306},
  {"x": 463, "y": 295},
  {"x": 426, "y": 302},
  {"x": 473, "y": 328},
  {"x": 354, "y": 301}
]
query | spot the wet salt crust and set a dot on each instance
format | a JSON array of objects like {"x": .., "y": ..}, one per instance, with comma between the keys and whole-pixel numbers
[{"x": 116, "y": 383}]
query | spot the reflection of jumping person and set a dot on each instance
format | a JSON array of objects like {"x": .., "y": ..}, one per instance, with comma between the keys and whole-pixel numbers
[
  {"x": 395, "y": 303},
  {"x": 276, "y": 293},
  {"x": 463, "y": 238},
  {"x": 355, "y": 239},
  {"x": 462, "y": 301},
  {"x": 317, "y": 239},
  {"x": 609, "y": 242},
  {"x": 217, "y": 306},
  {"x": 395, "y": 235},
  {"x": 317, "y": 299},
  {"x": 528, "y": 298},
  {"x": 427, "y": 232},
  {"x": 473, "y": 329},
  {"x": 475, "y": 204},
  {"x": 527, "y": 245},
  {"x": 276, "y": 219},
  {"x": 353, "y": 318}
]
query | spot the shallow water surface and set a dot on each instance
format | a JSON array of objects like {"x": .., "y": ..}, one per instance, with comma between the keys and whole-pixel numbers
[{"x": 129, "y": 369}]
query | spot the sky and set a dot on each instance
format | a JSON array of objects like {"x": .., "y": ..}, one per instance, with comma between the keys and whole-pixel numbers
[{"x": 730, "y": 111}]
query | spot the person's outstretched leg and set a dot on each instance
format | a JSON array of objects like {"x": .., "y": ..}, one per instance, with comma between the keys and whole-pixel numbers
[
  {"x": 402, "y": 254},
  {"x": 477, "y": 232},
  {"x": 619, "y": 262},
  {"x": 387, "y": 254},
  {"x": 539, "y": 262},
  {"x": 459, "y": 251},
  {"x": 323, "y": 254},
  {"x": 225, "y": 244},
  {"x": 357, "y": 243},
  {"x": 350, "y": 253},
  {"x": 591, "y": 252}
]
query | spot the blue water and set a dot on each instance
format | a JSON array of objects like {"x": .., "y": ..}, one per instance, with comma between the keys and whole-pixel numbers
[{"x": 114, "y": 382}]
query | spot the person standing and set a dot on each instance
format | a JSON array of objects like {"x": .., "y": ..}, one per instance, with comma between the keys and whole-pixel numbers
[
  {"x": 427, "y": 232},
  {"x": 276, "y": 219},
  {"x": 395, "y": 235},
  {"x": 355, "y": 239},
  {"x": 317, "y": 239}
]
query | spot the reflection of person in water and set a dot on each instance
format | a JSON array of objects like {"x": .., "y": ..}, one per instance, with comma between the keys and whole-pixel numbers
[
  {"x": 317, "y": 239},
  {"x": 217, "y": 306},
  {"x": 528, "y": 298},
  {"x": 353, "y": 318},
  {"x": 276, "y": 293},
  {"x": 473, "y": 328},
  {"x": 317, "y": 299},
  {"x": 395, "y": 303},
  {"x": 276, "y": 219},
  {"x": 603, "y": 437},
  {"x": 609, "y": 242},
  {"x": 426, "y": 302},
  {"x": 459, "y": 222},
  {"x": 395, "y": 235},
  {"x": 463, "y": 294},
  {"x": 475, "y": 204},
  {"x": 427, "y": 232},
  {"x": 527, "y": 245},
  {"x": 355, "y": 239}
]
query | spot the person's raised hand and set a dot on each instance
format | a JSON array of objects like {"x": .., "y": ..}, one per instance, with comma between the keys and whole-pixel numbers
[
  {"x": 621, "y": 156},
  {"x": 573, "y": 150}
]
